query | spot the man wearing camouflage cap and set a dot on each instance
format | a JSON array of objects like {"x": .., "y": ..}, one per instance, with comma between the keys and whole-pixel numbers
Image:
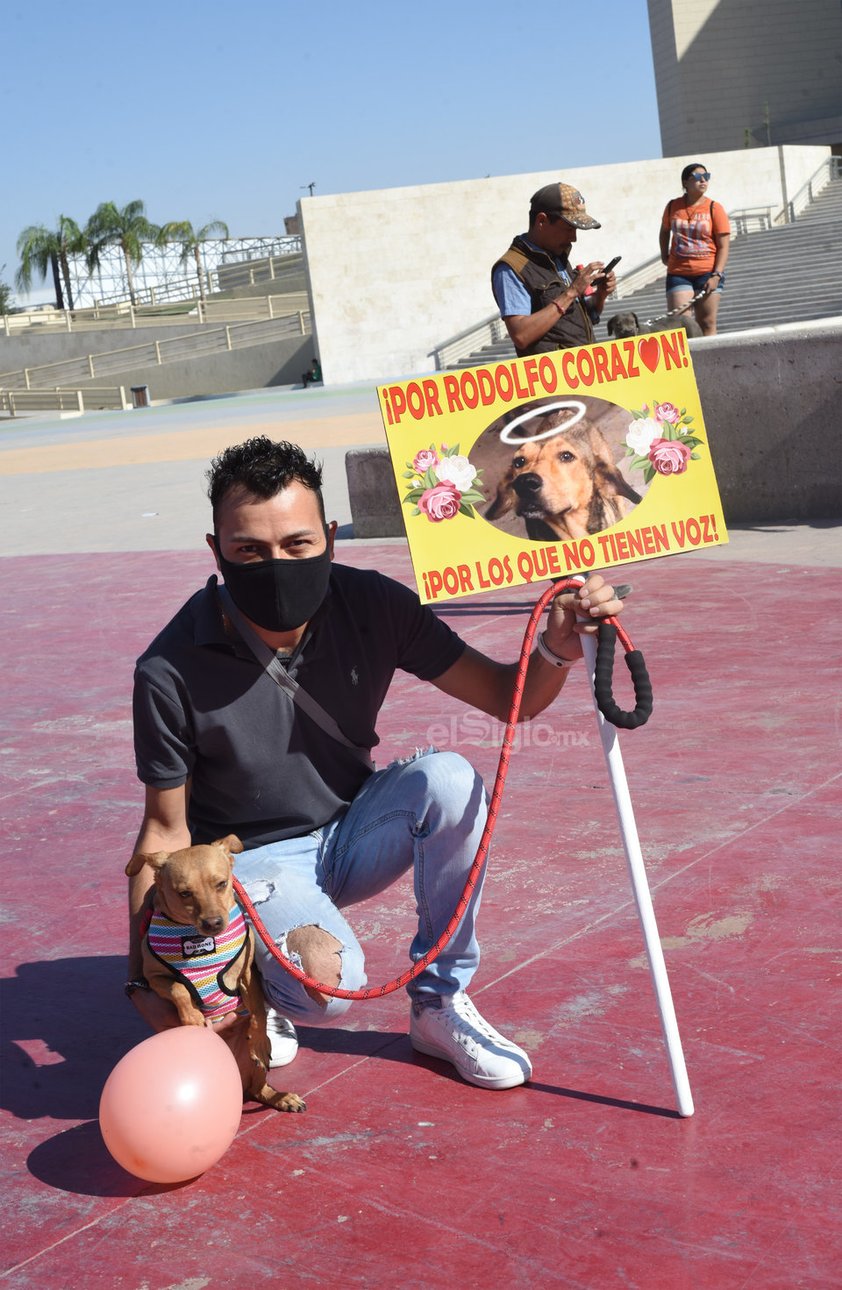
[{"x": 542, "y": 300}]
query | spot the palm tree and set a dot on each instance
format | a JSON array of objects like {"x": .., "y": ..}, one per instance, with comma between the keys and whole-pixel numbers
[
  {"x": 127, "y": 228},
  {"x": 183, "y": 232},
  {"x": 42, "y": 250},
  {"x": 5, "y": 293}
]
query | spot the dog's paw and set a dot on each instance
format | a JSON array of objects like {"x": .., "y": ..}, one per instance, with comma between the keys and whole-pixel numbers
[
  {"x": 285, "y": 1101},
  {"x": 191, "y": 1018}
]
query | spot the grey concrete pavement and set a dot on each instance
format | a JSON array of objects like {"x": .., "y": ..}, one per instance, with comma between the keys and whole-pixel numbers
[{"x": 114, "y": 481}]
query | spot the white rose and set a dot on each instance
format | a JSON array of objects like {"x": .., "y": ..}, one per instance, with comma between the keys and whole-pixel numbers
[
  {"x": 457, "y": 471},
  {"x": 640, "y": 435}
]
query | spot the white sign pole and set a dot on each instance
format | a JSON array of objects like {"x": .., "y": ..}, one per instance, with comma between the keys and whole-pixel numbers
[{"x": 642, "y": 896}]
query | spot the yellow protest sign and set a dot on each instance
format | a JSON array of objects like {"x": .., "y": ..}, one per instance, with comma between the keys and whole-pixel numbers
[{"x": 561, "y": 463}]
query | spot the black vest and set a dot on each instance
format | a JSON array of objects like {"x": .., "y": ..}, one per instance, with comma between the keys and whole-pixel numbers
[{"x": 538, "y": 273}]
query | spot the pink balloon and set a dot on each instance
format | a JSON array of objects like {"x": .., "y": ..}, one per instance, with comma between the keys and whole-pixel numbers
[{"x": 171, "y": 1107}]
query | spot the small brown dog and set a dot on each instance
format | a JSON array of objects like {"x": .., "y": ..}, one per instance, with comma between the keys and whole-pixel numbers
[
  {"x": 564, "y": 487},
  {"x": 198, "y": 952}
]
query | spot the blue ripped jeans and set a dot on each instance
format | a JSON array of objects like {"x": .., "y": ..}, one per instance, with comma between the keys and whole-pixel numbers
[{"x": 426, "y": 814}]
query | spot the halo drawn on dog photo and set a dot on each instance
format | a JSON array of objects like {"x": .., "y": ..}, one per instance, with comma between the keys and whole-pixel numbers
[
  {"x": 567, "y": 479},
  {"x": 505, "y": 433}
]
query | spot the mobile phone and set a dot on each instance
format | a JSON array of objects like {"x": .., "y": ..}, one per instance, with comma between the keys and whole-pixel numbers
[{"x": 606, "y": 268}]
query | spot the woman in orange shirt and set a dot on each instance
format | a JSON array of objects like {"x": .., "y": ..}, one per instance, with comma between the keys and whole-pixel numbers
[{"x": 695, "y": 236}]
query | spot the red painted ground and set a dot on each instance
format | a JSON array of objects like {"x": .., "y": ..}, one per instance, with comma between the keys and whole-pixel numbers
[{"x": 399, "y": 1174}]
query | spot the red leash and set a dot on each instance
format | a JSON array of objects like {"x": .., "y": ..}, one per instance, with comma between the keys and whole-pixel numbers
[{"x": 378, "y": 992}]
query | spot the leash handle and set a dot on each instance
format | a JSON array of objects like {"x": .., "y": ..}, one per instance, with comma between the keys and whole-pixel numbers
[{"x": 603, "y": 676}]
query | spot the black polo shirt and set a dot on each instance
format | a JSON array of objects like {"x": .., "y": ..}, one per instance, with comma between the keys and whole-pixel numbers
[{"x": 204, "y": 708}]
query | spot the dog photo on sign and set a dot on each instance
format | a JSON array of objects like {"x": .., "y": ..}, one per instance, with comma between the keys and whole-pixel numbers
[{"x": 554, "y": 469}]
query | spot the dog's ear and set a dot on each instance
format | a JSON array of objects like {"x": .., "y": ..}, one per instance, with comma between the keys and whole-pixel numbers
[
  {"x": 156, "y": 860},
  {"x": 230, "y": 843},
  {"x": 613, "y": 484},
  {"x": 598, "y": 445},
  {"x": 608, "y": 480}
]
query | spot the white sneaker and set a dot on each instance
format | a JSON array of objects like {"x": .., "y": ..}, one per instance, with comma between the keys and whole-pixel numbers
[
  {"x": 283, "y": 1041},
  {"x": 451, "y": 1028}
]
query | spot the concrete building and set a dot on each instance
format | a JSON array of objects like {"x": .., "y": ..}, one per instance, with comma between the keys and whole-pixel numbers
[
  {"x": 395, "y": 272},
  {"x": 747, "y": 73}
]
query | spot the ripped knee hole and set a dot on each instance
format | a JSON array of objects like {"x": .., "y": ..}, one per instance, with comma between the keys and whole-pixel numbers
[{"x": 320, "y": 956}]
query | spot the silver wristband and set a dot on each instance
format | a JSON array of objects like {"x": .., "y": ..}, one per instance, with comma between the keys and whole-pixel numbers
[{"x": 556, "y": 659}]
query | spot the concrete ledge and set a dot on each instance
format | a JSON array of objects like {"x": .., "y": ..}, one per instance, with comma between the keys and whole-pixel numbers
[
  {"x": 373, "y": 497},
  {"x": 771, "y": 399}
]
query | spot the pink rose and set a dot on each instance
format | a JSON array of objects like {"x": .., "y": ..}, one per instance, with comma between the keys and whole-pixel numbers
[
  {"x": 669, "y": 456},
  {"x": 667, "y": 412},
  {"x": 440, "y": 503},
  {"x": 425, "y": 460}
]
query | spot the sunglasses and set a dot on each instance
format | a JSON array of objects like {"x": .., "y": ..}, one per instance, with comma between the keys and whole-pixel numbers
[{"x": 701, "y": 174}]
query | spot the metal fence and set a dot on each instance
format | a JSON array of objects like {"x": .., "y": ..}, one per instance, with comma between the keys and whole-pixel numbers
[
  {"x": 211, "y": 340},
  {"x": 247, "y": 308},
  {"x": 94, "y": 398},
  {"x": 161, "y": 276}
]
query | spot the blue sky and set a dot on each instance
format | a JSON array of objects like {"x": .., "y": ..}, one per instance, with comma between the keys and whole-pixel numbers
[{"x": 219, "y": 111}]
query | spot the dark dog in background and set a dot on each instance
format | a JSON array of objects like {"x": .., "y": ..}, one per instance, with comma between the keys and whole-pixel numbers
[
  {"x": 565, "y": 486},
  {"x": 621, "y": 326}
]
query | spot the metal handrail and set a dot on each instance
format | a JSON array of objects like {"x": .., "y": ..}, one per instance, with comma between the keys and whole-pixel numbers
[
  {"x": 742, "y": 218},
  {"x": 831, "y": 168},
  {"x": 640, "y": 276},
  {"x": 486, "y": 332},
  {"x": 155, "y": 353},
  {"x": 63, "y": 399},
  {"x": 461, "y": 335},
  {"x": 133, "y": 316}
]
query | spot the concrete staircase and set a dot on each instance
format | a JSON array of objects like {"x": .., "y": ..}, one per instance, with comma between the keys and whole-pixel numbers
[{"x": 790, "y": 273}]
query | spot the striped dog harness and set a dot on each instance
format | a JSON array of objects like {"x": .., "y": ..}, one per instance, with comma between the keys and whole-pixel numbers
[{"x": 200, "y": 961}]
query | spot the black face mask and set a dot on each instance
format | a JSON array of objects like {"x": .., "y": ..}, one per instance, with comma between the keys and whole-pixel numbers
[{"x": 278, "y": 595}]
